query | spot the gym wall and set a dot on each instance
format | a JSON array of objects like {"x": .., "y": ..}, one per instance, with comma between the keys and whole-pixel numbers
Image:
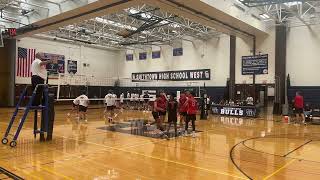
[
  {"x": 303, "y": 60},
  {"x": 102, "y": 62},
  {"x": 212, "y": 54}
]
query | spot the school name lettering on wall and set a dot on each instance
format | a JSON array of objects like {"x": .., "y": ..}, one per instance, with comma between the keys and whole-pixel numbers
[
  {"x": 184, "y": 75},
  {"x": 255, "y": 64}
]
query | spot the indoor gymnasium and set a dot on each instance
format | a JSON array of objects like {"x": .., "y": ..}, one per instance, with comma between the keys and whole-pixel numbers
[{"x": 159, "y": 89}]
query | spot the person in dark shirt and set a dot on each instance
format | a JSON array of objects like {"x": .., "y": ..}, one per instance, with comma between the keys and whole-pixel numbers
[
  {"x": 146, "y": 101},
  {"x": 182, "y": 110},
  {"x": 172, "y": 113}
]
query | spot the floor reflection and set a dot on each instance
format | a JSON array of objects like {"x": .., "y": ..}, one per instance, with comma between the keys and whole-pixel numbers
[{"x": 141, "y": 128}]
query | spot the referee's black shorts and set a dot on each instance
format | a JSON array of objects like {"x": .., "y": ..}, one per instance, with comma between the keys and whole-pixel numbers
[{"x": 35, "y": 80}]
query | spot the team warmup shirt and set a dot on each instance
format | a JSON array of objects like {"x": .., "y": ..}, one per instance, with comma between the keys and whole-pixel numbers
[
  {"x": 83, "y": 100},
  {"x": 76, "y": 101},
  {"x": 136, "y": 97},
  {"x": 121, "y": 98},
  {"x": 182, "y": 102},
  {"x": 159, "y": 103},
  {"x": 162, "y": 103},
  {"x": 109, "y": 99},
  {"x": 298, "y": 102},
  {"x": 114, "y": 99},
  {"x": 191, "y": 106}
]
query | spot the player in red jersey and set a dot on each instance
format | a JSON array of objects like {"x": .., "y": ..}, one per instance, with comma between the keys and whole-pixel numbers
[
  {"x": 192, "y": 106},
  {"x": 162, "y": 104},
  {"x": 182, "y": 109},
  {"x": 156, "y": 110},
  {"x": 299, "y": 105}
]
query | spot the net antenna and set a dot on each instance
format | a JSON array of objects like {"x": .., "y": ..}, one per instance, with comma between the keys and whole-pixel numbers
[{"x": 1, "y": 39}]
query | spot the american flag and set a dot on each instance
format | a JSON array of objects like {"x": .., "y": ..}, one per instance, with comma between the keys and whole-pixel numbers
[{"x": 24, "y": 61}]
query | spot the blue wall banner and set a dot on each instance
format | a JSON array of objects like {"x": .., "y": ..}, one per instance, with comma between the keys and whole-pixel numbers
[
  {"x": 55, "y": 69},
  {"x": 183, "y": 75},
  {"x": 142, "y": 56},
  {"x": 255, "y": 64},
  {"x": 156, "y": 54},
  {"x": 129, "y": 57},
  {"x": 72, "y": 66},
  {"x": 177, "y": 51}
]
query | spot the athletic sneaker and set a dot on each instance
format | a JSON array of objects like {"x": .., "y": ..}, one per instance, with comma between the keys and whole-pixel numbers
[
  {"x": 165, "y": 136},
  {"x": 185, "y": 134},
  {"x": 193, "y": 134},
  {"x": 85, "y": 120},
  {"x": 68, "y": 114}
]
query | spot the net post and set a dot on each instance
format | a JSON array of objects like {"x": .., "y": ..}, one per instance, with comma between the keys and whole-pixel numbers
[{"x": 58, "y": 89}]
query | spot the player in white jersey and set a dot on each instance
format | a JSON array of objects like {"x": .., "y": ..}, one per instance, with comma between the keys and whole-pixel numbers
[
  {"x": 141, "y": 102},
  {"x": 136, "y": 99},
  {"x": 75, "y": 104},
  {"x": 121, "y": 100},
  {"x": 83, "y": 106},
  {"x": 128, "y": 99},
  {"x": 110, "y": 102}
]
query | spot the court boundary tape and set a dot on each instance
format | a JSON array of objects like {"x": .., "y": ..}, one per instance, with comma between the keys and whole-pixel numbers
[
  {"x": 10, "y": 174},
  {"x": 52, "y": 172},
  {"x": 232, "y": 159},
  {"x": 278, "y": 170},
  {"x": 161, "y": 159},
  {"x": 267, "y": 136},
  {"x": 300, "y": 159},
  {"x": 297, "y": 148},
  {"x": 99, "y": 163}
]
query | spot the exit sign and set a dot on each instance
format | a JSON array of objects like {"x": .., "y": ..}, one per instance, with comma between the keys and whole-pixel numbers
[{"x": 12, "y": 32}]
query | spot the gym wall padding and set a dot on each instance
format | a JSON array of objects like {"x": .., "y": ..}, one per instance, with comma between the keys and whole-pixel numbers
[
  {"x": 7, "y": 72},
  {"x": 311, "y": 94}
]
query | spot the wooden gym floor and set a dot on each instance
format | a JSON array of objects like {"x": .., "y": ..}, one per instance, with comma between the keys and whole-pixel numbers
[{"x": 263, "y": 148}]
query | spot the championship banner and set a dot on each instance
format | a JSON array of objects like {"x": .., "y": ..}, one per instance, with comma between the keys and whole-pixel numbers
[
  {"x": 183, "y": 75},
  {"x": 55, "y": 69},
  {"x": 255, "y": 64},
  {"x": 72, "y": 67}
]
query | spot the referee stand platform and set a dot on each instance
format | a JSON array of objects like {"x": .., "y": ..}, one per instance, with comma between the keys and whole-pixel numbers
[{"x": 47, "y": 109}]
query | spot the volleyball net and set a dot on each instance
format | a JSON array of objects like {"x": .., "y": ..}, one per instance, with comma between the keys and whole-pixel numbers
[{"x": 129, "y": 93}]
